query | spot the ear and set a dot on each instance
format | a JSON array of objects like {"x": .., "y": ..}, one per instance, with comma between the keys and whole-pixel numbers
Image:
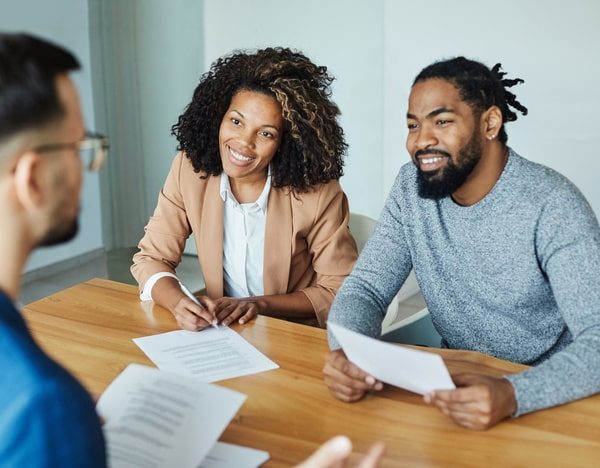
[
  {"x": 27, "y": 180},
  {"x": 492, "y": 122}
]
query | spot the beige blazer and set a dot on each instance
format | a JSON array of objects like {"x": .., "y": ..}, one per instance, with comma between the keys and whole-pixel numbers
[{"x": 308, "y": 246}]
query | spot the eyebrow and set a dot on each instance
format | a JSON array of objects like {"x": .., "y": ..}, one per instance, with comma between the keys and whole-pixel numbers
[
  {"x": 263, "y": 125},
  {"x": 433, "y": 113}
]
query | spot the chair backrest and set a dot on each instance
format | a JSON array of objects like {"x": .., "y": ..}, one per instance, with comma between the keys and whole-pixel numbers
[{"x": 361, "y": 227}]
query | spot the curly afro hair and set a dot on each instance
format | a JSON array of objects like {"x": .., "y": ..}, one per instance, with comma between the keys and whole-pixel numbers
[{"x": 312, "y": 145}]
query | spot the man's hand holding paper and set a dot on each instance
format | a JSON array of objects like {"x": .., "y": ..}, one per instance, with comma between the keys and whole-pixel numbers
[
  {"x": 478, "y": 403},
  {"x": 345, "y": 380},
  {"x": 411, "y": 369}
]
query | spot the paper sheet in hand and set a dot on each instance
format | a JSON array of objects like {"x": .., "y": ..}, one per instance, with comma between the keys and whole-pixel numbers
[
  {"x": 154, "y": 418},
  {"x": 208, "y": 355},
  {"x": 224, "y": 455},
  {"x": 417, "y": 371}
]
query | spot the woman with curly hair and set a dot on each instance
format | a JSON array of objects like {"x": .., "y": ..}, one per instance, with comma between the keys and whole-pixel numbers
[{"x": 256, "y": 182}]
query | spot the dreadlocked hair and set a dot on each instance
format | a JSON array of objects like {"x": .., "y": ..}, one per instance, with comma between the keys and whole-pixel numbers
[
  {"x": 481, "y": 87},
  {"x": 312, "y": 145}
]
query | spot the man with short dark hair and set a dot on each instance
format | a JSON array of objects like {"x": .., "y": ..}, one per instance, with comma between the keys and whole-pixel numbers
[
  {"x": 506, "y": 253},
  {"x": 46, "y": 417}
]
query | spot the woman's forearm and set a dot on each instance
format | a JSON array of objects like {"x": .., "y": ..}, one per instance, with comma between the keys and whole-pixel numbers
[
  {"x": 292, "y": 305},
  {"x": 167, "y": 293}
]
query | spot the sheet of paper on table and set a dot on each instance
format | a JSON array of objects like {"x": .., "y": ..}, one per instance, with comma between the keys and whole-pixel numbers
[
  {"x": 155, "y": 418},
  {"x": 224, "y": 455},
  {"x": 208, "y": 355},
  {"x": 411, "y": 369}
]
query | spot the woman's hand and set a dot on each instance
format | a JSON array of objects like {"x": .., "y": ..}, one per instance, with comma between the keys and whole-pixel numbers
[
  {"x": 229, "y": 309},
  {"x": 191, "y": 316}
]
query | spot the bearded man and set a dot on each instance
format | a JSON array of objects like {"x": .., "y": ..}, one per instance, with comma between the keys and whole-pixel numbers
[{"x": 506, "y": 253}]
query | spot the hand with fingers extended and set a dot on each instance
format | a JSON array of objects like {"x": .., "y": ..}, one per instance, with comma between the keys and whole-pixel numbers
[
  {"x": 192, "y": 316},
  {"x": 478, "y": 403},
  {"x": 229, "y": 309},
  {"x": 345, "y": 380},
  {"x": 335, "y": 452}
]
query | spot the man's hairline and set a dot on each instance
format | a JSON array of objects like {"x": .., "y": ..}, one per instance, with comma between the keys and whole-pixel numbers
[
  {"x": 477, "y": 113},
  {"x": 12, "y": 146},
  {"x": 33, "y": 135}
]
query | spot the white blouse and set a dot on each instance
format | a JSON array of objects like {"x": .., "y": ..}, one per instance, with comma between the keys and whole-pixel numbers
[{"x": 243, "y": 244}]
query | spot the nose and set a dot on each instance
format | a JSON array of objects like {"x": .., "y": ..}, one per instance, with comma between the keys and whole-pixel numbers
[
  {"x": 248, "y": 138},
  {"x": 424, "y": 137}
]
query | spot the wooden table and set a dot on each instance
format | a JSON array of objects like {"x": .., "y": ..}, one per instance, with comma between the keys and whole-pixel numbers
[{"x": 289, "y": 411}]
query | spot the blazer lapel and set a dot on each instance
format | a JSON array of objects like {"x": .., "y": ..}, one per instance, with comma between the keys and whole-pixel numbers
[
  {"x": 278, "y": 242},
  {"x": 210, "y": 239}
]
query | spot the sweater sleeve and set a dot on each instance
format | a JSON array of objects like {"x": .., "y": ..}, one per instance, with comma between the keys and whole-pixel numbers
[
  {"x": 568, "y": 249},
  {"x": 381, "y": 269}
]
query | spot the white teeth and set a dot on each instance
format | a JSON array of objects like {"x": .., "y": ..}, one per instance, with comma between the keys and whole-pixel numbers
[
  {"x": 430, "y": 160},
  {"x": 239, "y": 156}
]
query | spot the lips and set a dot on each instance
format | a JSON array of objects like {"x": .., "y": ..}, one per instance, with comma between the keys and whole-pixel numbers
[
  {"x": 239, "y": 159},
  {"x": 432, "y": 162}
]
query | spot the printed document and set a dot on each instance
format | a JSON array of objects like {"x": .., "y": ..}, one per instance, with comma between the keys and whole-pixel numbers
[
  {"x": 156, "y": 419},
  {"x": 224, "y": 455},
  {"x": 411, "y": 369},
  {"x": 209, "y": 355}
]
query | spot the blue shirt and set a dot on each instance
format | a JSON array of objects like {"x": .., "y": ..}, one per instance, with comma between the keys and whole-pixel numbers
[{"x": 47, "y": 419}]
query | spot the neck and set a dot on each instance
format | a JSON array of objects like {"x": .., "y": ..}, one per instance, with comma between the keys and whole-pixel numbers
[
  {"x": 16, "y": 243},
  {"x": 247, "y": 190},
  {"x": 484, "y": 176},
  {"x": 14, "y": 253}
]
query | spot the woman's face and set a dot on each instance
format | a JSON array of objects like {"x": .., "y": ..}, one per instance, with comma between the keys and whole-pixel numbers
[{"x": 250, "y": 135}]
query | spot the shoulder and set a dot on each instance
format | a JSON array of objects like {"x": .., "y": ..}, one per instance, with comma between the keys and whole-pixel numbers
[
  {"x": 32, "y": 374},
  {"x": 183, "y": 179},
  {"x": 183, "y": 167},
  {"x": 51, "y": 415},
  {"x": 539, "y": 184},
  {"x": 319, "y": 202},
  {"x": 406, "y": 180},
  {"x": 408, "y": 171},
  {"x": 405, "y": 187},
  {"x": 313, "y": 195}
]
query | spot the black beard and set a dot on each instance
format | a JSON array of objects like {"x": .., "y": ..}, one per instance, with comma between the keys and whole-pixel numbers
[
  {"x": 60, "y": 234},
  {"x": 447, "y": 180}
]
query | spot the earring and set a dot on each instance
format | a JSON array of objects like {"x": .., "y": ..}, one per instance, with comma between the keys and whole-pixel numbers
[{"x": 491, "y": 137}]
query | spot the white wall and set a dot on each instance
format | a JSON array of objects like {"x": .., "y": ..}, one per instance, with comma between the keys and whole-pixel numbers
[
  {"x": 64, "y": 22},
  {"x": 147, "y": 60},
  {"x": 169, "y": 41},
  {"x": 373, "y": 48},
  {"x": 552, "y": 45},
  {"x": 347, "y": 37}
]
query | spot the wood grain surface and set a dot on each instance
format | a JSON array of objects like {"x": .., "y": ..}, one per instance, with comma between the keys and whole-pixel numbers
[{"x": 289, "y": 412}]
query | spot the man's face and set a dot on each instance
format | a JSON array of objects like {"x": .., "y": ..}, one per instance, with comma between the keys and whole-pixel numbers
[
  {"x": 444, "y": 138},
  {"x": 66, "y": 169}
]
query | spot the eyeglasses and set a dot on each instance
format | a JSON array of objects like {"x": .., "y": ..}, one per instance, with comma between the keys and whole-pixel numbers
[{"x": 93, "y": 150}]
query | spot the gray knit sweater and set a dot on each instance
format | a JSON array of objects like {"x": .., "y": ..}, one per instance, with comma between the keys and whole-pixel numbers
[{"x": 516, "y": 276}]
